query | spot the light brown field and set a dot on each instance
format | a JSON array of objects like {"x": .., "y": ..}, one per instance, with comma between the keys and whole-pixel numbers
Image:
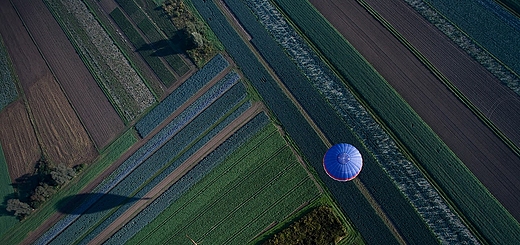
[
  {"x": 90, "y": 103},
  {"x": 18, "y": 140},
  {"x": 492, "y": 162},
  {"x": 63, "y": 138}
]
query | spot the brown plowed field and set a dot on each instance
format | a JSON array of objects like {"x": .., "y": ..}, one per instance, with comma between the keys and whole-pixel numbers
[
  {"x": 92, "y": 106},
  {"x": 485, "y": 91},
  {"x": 494, "y": 164},
  {"x": 18, "y": 140},
  {"x": 62, "y": 136}
]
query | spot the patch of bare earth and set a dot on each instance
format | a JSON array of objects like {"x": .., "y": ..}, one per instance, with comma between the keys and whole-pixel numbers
[
  {"x": 63, "y": 138},
  {"x": 92, "y": 106},
  {"x": 18, "y": 140},
  {"x": 492, "y": 162}
]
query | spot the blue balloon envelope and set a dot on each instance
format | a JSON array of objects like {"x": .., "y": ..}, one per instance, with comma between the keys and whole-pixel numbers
[{"x": 342, "y": 162}]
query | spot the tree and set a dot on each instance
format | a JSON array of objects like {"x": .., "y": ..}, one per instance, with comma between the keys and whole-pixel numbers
[
  {"x": 20, "y": 209},
  {"x": 62, "y": 174},
  {"x": 42, "y": 192}
]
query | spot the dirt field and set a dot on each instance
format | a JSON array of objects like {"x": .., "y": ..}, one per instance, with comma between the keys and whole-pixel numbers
[
  {"x": 92, "y": 106},
  {"x": 63, "y": 138},
  {"x": 461, "y": 130},
  {"x": 18, "y": 140}
]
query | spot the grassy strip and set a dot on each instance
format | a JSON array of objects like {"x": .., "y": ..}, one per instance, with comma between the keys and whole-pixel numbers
[
  {"x": 8, "y": 92},
  {"x": 132, "y": 57},
  {"x": 142, "y": 47},
  {"x": 6, "y": 191},
  {"x": 111, "y": 153},
  {"x": 444, "y": 168},
  {"x": 154, "y": 35},
  {"x": 442, "y": 78},
  {"x": 123, "y": 86}
]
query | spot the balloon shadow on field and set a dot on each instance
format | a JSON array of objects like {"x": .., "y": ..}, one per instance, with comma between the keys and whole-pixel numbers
[{"x": 87, "y": 203}]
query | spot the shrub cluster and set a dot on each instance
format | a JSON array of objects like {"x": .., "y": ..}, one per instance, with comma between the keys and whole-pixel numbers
[{"x": 320, "y": 226}]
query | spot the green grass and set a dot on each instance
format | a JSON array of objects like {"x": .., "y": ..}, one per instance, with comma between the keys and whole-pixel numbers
[
  {"x": 449, "y": 174},
  {"x": 258, "y": 184},
  {"x": 6, "y": 191},
  {"x": 133, "y": 57},
  {"x": 166, "y": 77},
  {"x": 110, "y": 154},
  {"x": 8, "y": 92}
]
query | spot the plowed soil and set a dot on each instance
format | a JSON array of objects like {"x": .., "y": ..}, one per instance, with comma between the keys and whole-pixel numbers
[
  {"x": 18, "y": 140},
  {"x": 92, "y": 106},
  {"x": 62, "y": 136},
  {"x": 494, "y": 164}
]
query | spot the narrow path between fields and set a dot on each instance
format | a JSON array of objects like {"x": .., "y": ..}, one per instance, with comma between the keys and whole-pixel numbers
[{"x": 178, "y": 173}]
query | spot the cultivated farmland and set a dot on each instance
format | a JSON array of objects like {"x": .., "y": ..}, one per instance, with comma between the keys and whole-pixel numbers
[
  {"x": 91, "y": 105},
  {"x": 62, "y": 136},
  {"x": 21, "y": 148},
  {"x": 121, "y": 83}
]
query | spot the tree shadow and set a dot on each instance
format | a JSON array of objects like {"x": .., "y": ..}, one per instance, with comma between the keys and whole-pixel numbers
[
  {"x": 25, "y": 185},
  {"x": 178, "y": 44},
  {"x": 87, "y": 203}
]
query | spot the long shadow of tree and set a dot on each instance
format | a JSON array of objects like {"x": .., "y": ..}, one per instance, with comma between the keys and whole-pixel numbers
[
  {"x": 87, "y": 203},
  {"x": 179, "y": 43}
]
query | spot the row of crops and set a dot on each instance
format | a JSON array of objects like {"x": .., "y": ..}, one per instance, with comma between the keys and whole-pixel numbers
[
  {"x": 8, "y": 92},
  {"x": 258, "y": 184},
  {"x": 310, "y": 144},
  {"x": 465, "y": 192},
  {"x": 121, "y": 83},
  {"x": 306, "y": 92},
  {"x": 429, "y": 204},
  {"x": 494, "y": 48},
  {"x": 157, "y": 44},
  {"x": 180, "y": 95},
  {"x": 150, "y": 164}
]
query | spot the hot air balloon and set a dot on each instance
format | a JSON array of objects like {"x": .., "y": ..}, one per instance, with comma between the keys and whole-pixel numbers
[{"x": 342, "y": 162}]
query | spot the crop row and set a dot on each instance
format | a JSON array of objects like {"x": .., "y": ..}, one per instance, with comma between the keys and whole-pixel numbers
[
  {"x": 183, "y": 156},
  {"x": 142, "y": 47},
  {"x": 8, "y": 91},
  {"x": 174, "y": 126},
  {"x": 297, "y": 127},
  {"x": 473, "y": 45},
  {"x": 229, "y": 189},
  {"x": 455, "y": 180},
  {"x": 121, "y": 83},
  {"x": 111, "y": 154},
  {"x": 153, "y": 210},
  {"x": 138, "y": 158},
  {"x": 156, "y": 162},
  {"x": 180, "y": 95},
  {"x": 154, "y": 35},
  {"x": 403, "y": 172},
  {"x": 223, "y": 203}
]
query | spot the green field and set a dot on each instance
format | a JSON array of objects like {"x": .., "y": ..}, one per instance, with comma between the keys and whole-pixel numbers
[
  {"x": 259, "y": 184},
  {"x": 459, "y": 186},
  {"x": 111, "y": 153},
  {"x": 6, "y": 190}
]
